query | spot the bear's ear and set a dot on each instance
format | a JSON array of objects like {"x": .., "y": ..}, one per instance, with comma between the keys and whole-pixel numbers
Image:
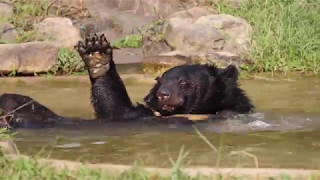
[
  {"x": 212, "y": 69},
  {"x": 158, "y": 79},
  {"x": 231, "y": 72}
]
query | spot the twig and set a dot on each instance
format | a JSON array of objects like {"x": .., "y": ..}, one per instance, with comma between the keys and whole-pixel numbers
[
  {"x": 49, "y": 6},
  {"x": 254, "y": 157},
  {"x": 20, "y": 107},
  {"x": 205, "y": 139},
  {"x": 6, "y": 122},
  {"x": 10, "y": 114}
]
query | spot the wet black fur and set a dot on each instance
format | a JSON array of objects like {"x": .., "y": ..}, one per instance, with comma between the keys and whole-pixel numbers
[
  {"x": 207, "y": 90},
  {"x": 110, "y": 99},
  {"x": 109, "y": 96},
  {"x": 22, "y": 111}
]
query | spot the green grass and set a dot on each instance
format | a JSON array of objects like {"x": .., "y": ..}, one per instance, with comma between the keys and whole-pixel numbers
[
  {"x": 4, "y": 133},
  {"x": 30, "y": 168},
  {"x": 25, "y": 14},
  {"x": 135, "y": 40},
  {"x": 286, "y": 35},
  {"x": 130, "y": 41},
  {"x": 28, "y": 12},
  {"x": 69, "y": 62}
]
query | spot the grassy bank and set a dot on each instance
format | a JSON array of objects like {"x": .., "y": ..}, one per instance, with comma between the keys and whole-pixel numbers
[
  {"x": 32, "y": 168},
  {"x": 286, "y": 34}
]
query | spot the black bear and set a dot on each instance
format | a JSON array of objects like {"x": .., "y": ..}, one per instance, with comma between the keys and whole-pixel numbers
[
  {"x": 198, "y": 89},
  {"x": 187, "y": 89},
  {"x": 22, "y": 111}
]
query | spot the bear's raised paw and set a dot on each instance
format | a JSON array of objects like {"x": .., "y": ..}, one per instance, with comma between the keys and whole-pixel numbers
[{"x": 96, "y": 52}]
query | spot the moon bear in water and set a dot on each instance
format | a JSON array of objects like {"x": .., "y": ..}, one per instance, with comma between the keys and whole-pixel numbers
[{"x": 186, "y": 89}]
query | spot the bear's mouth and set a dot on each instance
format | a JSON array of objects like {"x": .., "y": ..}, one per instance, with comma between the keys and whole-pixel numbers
[
  {"x": 169, "y": 108},
  {"x": 169, "y": 102}
]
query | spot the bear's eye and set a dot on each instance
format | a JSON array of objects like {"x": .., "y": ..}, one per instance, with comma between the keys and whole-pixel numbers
[{"x": 183, "y": 83}]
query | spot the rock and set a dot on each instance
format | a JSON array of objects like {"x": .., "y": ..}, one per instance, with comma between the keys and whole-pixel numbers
[
  {"x": 208, "y": 33},
  {"x": 154, "y": 48},
  {"x": 162, "y": 8},
  {"x": 6, "y": 10},
  {"x": 154, "y": 42},
  {"x": 236, "y": 31},
  {"x": 58, "y": 30},
  {"x": 122, "y": 17},
  {"x": 193, "y": 13},
  {"x": 218, "y": 37},
  {"x": 182, "y": 34},
  {"x": 221, "y": 59},
  {"x": 8, "y": 33},
  {"x": 27, "y": 58},
  {"x": 153, "y": 39},
  {"x": 159, "y": 64},
  {"x": 116, "y": 22},
  {"x": 127, "y": 55}
]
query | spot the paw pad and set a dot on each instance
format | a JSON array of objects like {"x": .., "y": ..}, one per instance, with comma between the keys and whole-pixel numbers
[{"x": 96, "y": 52}]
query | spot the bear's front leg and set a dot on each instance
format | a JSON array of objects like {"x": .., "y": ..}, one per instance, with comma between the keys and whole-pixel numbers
[{"x": 109, "y": 96}]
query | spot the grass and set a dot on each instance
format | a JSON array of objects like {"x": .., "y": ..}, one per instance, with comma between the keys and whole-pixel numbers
[
  {"x": 26, "y": 14},
  {"x": 4, "y": 133},
  {"x": 130, "y": 41},
  {"x": 286, "y": 35},
  {"x": 69, "y": 61},
  {"x": 135, "y": 40},
  {"x": 30, "y": 169},
  {"x": 153, "y": 31}
]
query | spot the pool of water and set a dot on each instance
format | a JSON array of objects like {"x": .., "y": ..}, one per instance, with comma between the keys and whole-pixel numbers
[{"x": 291, "y": 106}]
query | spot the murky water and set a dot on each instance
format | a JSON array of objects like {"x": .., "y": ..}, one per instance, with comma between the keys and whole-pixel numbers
[{"x": 291, "y": 106}]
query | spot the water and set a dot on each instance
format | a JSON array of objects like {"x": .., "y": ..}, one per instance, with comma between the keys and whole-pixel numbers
[{"x": 284, "y": 133}]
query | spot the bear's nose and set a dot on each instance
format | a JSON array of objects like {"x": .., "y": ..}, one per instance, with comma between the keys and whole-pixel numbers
[{"x": 163, "y": 94}]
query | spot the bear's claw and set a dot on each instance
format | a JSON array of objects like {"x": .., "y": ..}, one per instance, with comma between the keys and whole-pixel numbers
[{"x": 96, "y": 52}]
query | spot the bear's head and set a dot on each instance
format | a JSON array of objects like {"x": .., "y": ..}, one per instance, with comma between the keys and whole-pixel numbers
[{"x": 189, "y": 89}]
